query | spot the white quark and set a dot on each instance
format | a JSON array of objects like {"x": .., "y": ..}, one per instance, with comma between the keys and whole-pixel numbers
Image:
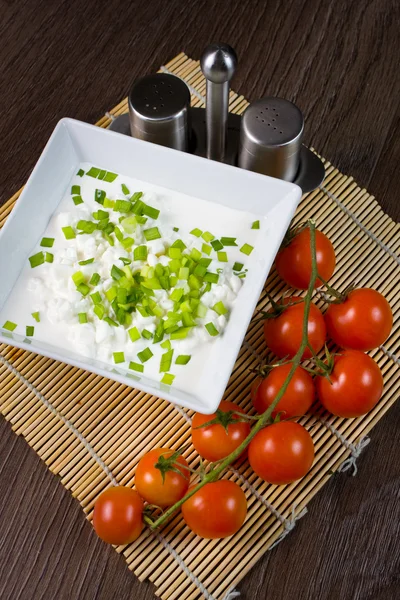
[{"x": 50, "y": 289}]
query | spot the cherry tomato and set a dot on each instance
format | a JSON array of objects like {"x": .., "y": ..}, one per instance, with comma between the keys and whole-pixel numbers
[
  {"x": 362, "y": 322},
  {"x": 215, "y": 441},
  {"x": 149, "y": 481},
  {"x": 117, "y": 516},
  {"x": 217, "y": 510},
  {"x": 297, "y": 399},
  {"x": 283, "y": 333},
  {"x": 293, "y": 262},
  {"x": 282, "y": 452},
  {"x": 356, "y": 387}
]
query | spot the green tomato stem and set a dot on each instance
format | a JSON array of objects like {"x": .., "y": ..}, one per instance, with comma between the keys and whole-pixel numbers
[{"x": 263, "y": 419}]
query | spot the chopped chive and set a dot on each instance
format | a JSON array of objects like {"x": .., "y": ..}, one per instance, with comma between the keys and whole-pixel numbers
[
  {"x": 86, "y": 226},
  {"x": 145, "y": 355},
  {"x": 166, "y": 345},
  {"x": 222, "y": 256},
  {"x": 68, "y": 232},
  {"x": 247, "y": 249},
  {"x": 82, "y": 318},
  {"x": 122, "y": 206},
  {"x": 168, "y": 378},
  {"x": 140, "y": 253},
  {"x": 180, "y": 333},
  {"x": 125, "y": 189},
  {"x": 101, "y": 215},
  {"x": 108, "y": 203},
  {"x": 96, "y": 297},
  {"x": 36, "y": 259},
  {"x": 216, "y": 244},
  {"x": 151, "y": 212},
  {"x": 30, "y": 330},
  {"x": 183, "y": 359},
  {"x": 119, "y": 357},
  {"x": 99, "y": 311},
  {"x": 194, "y": 282},
  {"x": 152, "y": 234},
  {"x": 206, "y": 249},
  {"x": 111, "y": 322},
  {"x": 175, "y": 228},
  {"x": 83, "y": 289},
  {"x": 75, "y": 190},
  {"x": 134, "y": 366},
  {"x": 211, "y": 277},
  {"x": 205, "y": 262},
  {"x": 99, "y": 196},
  {"x": 95, "y": 278},
  {"x": 127, "y": 242},
  {"x": 183, "y": 273},
  {"x": 88, "y": 261},
  {"x": 9, "y": 325},
  {"x": 110, "y": 177},
  {"x": 78, "y": 277},
  {"x": 174, "y": 253},
  {"x": 179, "y": 244},
  {"x": 49, "y": 257},
  {"x": 207, "y": 236},
  {"x": 200, "y": 270},
  {"x": 195, "y": 254},
  {"x": 47, "y": 242},
  {"x": 196, "y": 232},
  {"x": 134, "y": 334},
  {"x": 147, "y": 334},
  {"x": 116, "y": 273},
  {"x": 220, "y": 308},
  {"x": 228, "y": 241},
  {"x": 176, "y": 295},
  {"x": 238, "y": 266},
  {"x": 77, "y": 200},
  {"x": 93, "y": 172},
  {"x": 256, "y": 225},
  {"x": 212, "y": 330},
  {"x": 36, "y": 316},
  {"x": 80, "y": 173},
  {"x": 166, "y": 360}
]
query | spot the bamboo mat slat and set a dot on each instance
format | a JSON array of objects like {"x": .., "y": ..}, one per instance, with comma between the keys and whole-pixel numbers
[{"x": 121, "y": 423}]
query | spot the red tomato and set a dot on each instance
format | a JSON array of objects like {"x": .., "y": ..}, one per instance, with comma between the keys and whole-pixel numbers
[
  {"x": 214, "y": 441},
  {"x": 283, "y": 333},
  {"x": 117, "y": 516},
  {"x": 217, "y": 510},
  {"x": 356, "y": 387},
  {"x": 149, "y": 482},
  {"x": 281, "y": 453},
  {"x": 297, "y": 399},
  {"x": 362, "y": 322},
  {"x": 293, "y": 262}
]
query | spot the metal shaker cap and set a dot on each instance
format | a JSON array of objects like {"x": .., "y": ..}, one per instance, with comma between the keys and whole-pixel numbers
[
  {"x": 270, "y": 138},
  {"x": 159, "y": 110}
]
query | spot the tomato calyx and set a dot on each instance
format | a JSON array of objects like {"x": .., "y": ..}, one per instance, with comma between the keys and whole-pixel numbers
[
  {"x": 291, "y": 233},
  {"x": 277, "y": 307},
  {"x": 333, "y": 296},
  {"x": 170, "y": 463},
  {"x": 225, "y": 418}
]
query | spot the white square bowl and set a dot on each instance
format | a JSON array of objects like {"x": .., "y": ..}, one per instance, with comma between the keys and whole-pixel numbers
[{"x": 72, "y": 142}]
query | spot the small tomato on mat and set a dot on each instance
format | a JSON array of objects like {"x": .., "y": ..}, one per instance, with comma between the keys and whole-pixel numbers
[
  {"x": 117, "y": 516},
  {"x": 165, "y": 485}
]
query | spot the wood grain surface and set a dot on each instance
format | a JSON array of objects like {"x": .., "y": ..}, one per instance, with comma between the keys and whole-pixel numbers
[{"x": 338, "y": 60}]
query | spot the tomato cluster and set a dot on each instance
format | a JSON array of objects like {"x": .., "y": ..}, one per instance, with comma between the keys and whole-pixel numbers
[{"x": 350, "y": 385}]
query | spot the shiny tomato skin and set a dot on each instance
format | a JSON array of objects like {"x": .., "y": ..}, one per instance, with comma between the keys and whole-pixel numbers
[
  {"x": 214, "y": 442},
  {"x": 357, "y": 385},
  {"x": 217, "y": 510},
  {"x": 296, "y": 400},
  {"x": 149, "y": 482},
  {"x": 117, "y": 516},
  {"x": 283, "y": 333},
  {"x": 362, "y": 322},
  {"x": 281, "y": 453},
  {"x": 293, "y": 262}
]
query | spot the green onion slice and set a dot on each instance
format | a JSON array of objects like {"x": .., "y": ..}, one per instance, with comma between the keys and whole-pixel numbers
[
  {"x": 222, "y": 256},
  {"x": 68, "y": 232},
  {"x": 134, "y": 366},
  {"x": 134, "y": 334},
  {"x": 238, "y": 266},
  {"x": 220, "y": 308},
  {"x": 216, "y": 244},
  {"x": 212, "y": 330},
  {"x": 82, "y": 318},
  {"x": 140, "y": 253},
  {"x": 152, "y": 234},
  {"x": 168, "y": 378},
  {"x": 119, "y": 357},
  {"x": 99, "y": 196},
  {"x": 247, "y": 249},
  {"x": 125, "y": 189},
  {"x": 166, "y": 360},
  {"x": 256, "y": 225},
  {"x": 9, "y": 325},
  {"x": 196, "y": 232},
  {"x": 30, "y": 330},
  {"x": 183, "y": 359},
  {"x": 37, "y": 259},
  {"x": 47, "y": 242},
  {"x": 88, "y": 261},
  {"x": 228, "y": 241},
  {"x": 145, "y": 355},
  {"x": 36, "y": 316}
]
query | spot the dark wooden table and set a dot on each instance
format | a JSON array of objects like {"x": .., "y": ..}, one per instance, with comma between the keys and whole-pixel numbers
[{"x": 338, "y": 60}]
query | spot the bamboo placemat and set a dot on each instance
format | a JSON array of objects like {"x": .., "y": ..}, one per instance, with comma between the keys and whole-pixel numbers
[{"x": 89, "y": 430}]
